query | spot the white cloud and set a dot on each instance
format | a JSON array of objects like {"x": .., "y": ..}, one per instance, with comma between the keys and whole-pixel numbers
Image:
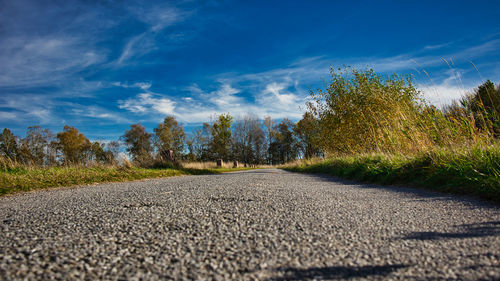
[
  {"x": 285, "y": 100},
  {"x": 7, "y": 115},
  {"x": 28, "y": 108},
  {"x": 147, "y": 102},
  {"x": 141, "y": 85},
  {"x": 274, "y": 99},
  {"x": 225, "y": 97}
]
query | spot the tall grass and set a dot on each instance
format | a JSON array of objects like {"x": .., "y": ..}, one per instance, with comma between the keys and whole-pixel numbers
[{"x": 362, "y": 112}]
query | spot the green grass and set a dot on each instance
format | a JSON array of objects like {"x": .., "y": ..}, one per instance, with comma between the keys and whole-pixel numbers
[
  {"x": 29, "y": 178},
  {"x": 474, "y": 171}
]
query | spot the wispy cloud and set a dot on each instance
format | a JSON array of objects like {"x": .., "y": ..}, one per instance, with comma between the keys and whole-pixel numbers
[
  {"x": 4, "y": 115},
  {"x": 98, "y": 113},
  {"x": 156, "y": 18},
  {"x": 141, "y": 85},
  {"x": 44, "y": 60},
  {"x": 27, "y": 108},
  {"x": 146, "y": 102},
  {"x": 437, "y": 46},
  {"x": 53, "y": 44},
  {"x": 159, "y": 17}
]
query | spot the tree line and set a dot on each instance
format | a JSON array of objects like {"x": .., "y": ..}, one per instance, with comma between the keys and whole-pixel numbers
[{"x": 249, "y": 140}]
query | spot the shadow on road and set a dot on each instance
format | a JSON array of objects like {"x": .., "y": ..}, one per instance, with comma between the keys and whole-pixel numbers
[
  {"x": 470, "y": 231},
  {"x": 414, "y": 194},
  {"x": 334, "y": 272}
]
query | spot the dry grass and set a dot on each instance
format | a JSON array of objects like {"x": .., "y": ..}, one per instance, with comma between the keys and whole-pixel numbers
[
  {"x": 205, "y": 165},
  {"x": 16, "y": 177},
  {"x": 213, "y": 165},
  {"x": 362, "y": 112},
  {"x": 30, "y": 178}
]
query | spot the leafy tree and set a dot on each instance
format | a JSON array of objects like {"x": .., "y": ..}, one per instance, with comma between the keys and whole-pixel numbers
[
  {"x": 101, "y": 154},
  {"x": 138, "y": 143},
  {"x": 307, "y": 134},
  {"x": 73, "y": 145},
  {"x": 221, "y": 136},
  {"x": 8, "y": 145},
  {"x": 169, "y": 136},
  {"x": 283, "y": 146},
  {"x": 484, "y": 105}
]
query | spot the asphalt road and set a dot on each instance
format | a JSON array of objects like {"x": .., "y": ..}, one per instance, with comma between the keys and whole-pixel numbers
[{"x": 261, "y": 224}]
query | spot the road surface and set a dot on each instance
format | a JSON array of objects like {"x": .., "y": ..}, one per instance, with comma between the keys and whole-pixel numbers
[{"x": 260, "y": 224}]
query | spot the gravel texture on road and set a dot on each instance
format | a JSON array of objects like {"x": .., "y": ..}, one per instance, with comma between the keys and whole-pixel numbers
[{"x": 261, "y": 224}]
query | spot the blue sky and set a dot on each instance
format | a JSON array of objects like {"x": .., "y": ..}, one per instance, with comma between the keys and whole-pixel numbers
[{"x": 103, "y": 65}]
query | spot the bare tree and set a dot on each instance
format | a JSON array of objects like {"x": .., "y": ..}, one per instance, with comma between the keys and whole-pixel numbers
[
  {"x": 38, "y": 142},
  {"x": 8, "y": 145},
  {"x": 269, "y": 125},
  {"x": 248, "y": 140}
]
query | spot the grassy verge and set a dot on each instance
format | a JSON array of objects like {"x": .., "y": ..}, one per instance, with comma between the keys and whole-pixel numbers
[
  {"x": 28, "y": 178},
  {"x": 473, "y": 171}
]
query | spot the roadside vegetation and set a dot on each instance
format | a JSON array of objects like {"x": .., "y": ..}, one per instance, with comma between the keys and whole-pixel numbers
[
  {"x": 17, "y": 178},
  {"x": 377, "y": 129},
  {"x": 472, "y": 171}
]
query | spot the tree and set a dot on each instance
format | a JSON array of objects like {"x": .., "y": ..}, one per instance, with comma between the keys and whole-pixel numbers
[
  {"x": 190, "y": 156},
  {"x": 169, "y": 136},
  {"x": 138, "y": 143},
  {"x": 37, "y": 141},
  {"x": 221, "y": 136},
  {"x": 307, "y": 134},
  {"x": 201, "y": 140},
  {"x": 113, "y": 147},
  {"x": 73, "y": 145},
  {"x": 283, "y": 146},
  {"x": 269, "y": 125},
  {"x": 484, "y": 105},
  {"x": 248, "y": 140},
  {"x": 8, "y": 145},
  {"x": 101, "y": 153}
]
